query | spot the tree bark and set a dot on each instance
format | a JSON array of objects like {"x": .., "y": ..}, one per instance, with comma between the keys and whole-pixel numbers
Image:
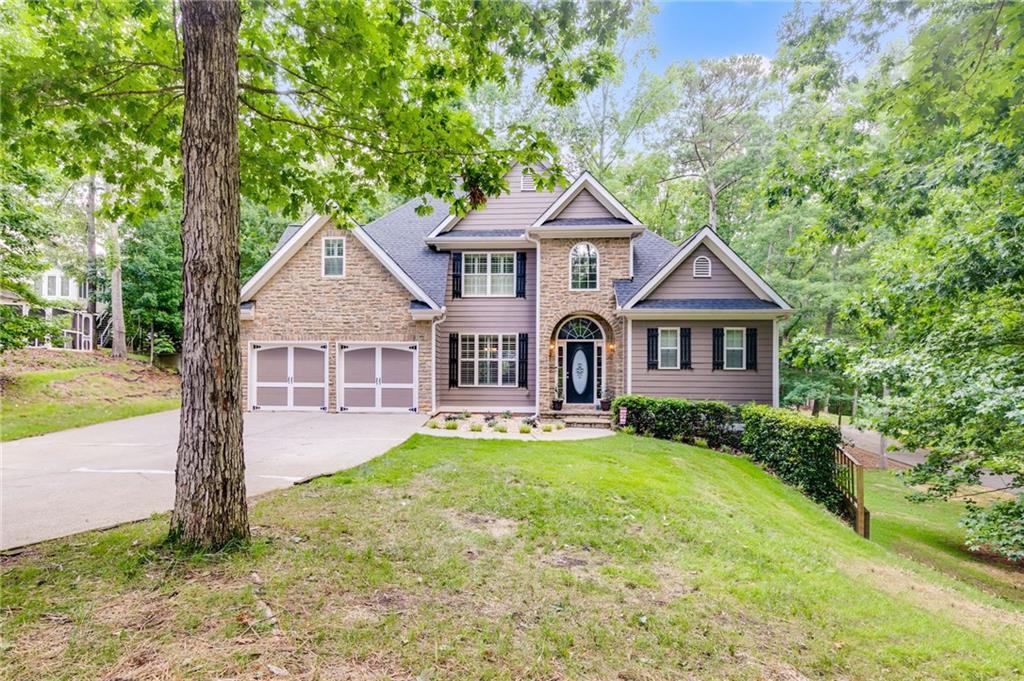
[
  {"x": 118, "y": 344},
  {"x": 90, "y": 258},
  {"x": 209, "y": 505}
]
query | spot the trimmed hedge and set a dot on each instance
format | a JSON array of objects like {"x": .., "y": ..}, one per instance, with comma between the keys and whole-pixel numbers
[
  {"x": 798, "y": 449},
  {"x": 681, "y": 420}
]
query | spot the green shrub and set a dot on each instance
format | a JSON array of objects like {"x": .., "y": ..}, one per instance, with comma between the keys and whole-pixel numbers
[
  {"x": 681, "y": 420},
  {"x": 546, "y": 427},
  {"x": 798, "y": 449},
  {"x": 500, "y": 428},
  {"x": 432, "y": 424},
  {"x": 476, "y": 427},
  {"x": 524, "y": 428},
  {"x": 451, "y": 425}
]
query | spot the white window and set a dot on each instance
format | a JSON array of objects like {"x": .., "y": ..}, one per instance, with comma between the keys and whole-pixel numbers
[
  {"x": 668, "y": 348},
  {"x": 334, "y": 256},
  {"x": 65, "y": 287},
  {"x": 702, "y": 266},
  {"x": 489, "y": 359},
  {"x": 735, "y": 348},
  {"x": 51, "y": 285},
  {"x": 583, "y": 267},
  {"x": 526, "y": 183},
  {"x": 488, "y": 274}
]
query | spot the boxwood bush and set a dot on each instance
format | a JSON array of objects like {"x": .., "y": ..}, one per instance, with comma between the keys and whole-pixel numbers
[
  {"x": 682, "y": 420},
  {"x": 798, "y": 449}
]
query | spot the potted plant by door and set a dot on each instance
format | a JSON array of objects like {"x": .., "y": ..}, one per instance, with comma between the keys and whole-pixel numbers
[
  {"x": 606, "y": 402},
  {"x": 556, "y": 404}
]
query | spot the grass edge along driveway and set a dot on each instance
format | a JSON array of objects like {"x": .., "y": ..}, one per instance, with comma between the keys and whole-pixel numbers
[{"x": 619, "y": 557}]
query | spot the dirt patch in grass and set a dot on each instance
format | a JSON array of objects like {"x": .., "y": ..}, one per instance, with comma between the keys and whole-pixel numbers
[
  {"x": 497, "y": 527},
  {"x": 934, "y": 598}
]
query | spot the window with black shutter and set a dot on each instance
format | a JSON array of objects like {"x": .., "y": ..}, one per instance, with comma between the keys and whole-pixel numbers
[
  {"x": 520, "y": 274},
  {"x": 523, "y": 358},
  {"x": 751, "y": 348},
  {"x": 453, "y": 360},
  {"x": 685, "y": 356},
  {"x": 652, "y": 348},
  {"x": 456, "y": 275},
  {"x": 717, "y": 348}
]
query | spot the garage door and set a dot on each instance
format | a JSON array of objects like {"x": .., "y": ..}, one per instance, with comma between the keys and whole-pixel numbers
[
  {"x": 377, "y": 377},
  {"x": 289, "y": 376}
]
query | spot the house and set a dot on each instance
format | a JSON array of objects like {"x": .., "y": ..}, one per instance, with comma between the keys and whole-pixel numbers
[
  {"x": 66, "y": 298},
  {"x": 537, "y": 295}
]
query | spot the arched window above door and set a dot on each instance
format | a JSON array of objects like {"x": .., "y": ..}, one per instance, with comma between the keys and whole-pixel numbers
[{"x": 580, "y": 328}]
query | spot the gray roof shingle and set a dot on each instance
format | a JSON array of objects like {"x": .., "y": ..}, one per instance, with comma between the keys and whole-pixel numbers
[
  {"x": 401, "y": 234},
  {"x": 482, "y": 233},
  {"x": 585, "y": 222},
  {"x": 650, "y": 252},
  {"x": 707, "y": 304},
  {"x": 286, "y": 236}
]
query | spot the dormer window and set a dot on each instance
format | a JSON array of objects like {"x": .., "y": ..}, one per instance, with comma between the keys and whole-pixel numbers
[
  {"x": 702, "y": 266},
  {"x": 526, "y": 183},
  {"x": 333, "y": 261},
  {"x": 583, "y": 267}
]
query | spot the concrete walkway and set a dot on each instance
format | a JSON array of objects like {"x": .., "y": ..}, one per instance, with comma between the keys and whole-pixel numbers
[{"x": 86, "y": 478}]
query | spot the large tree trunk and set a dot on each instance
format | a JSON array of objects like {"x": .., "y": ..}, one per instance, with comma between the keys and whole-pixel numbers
[
  {"x": 90, "y": 258},
  {"x": 209, "y": 503},
  {"x": 118, "y": 344}
]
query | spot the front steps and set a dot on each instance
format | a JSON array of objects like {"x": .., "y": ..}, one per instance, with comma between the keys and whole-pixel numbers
[{"x": 580, "y": 418}]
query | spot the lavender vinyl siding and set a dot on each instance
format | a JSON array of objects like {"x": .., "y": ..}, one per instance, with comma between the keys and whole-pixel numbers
[
  {"x": 489, "y": 316},
  {"x": 515, "y": 210},
  {"x": 681, "y": 284},
  {"x": 585, "y": 206},
  {"x": 700, "y": 382}
]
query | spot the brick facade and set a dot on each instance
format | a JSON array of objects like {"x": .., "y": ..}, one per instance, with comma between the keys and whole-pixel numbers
[
  {"x": 558, "y": 303},
  {"x": 367, "y": 304}
]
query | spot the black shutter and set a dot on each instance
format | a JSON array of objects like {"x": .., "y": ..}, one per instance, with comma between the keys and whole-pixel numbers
[
  {"x": 453, "y": 360},
  {"x": 717, "y": 349},
  {"x": 751, "y": 348},
  {"x": 652, "y": 348},
  {"x": 524, "y": 358},
  {"x": 684, "y": 356},
  {"x": 521, "y": 275},
  {"x": 456, "y": 275}
]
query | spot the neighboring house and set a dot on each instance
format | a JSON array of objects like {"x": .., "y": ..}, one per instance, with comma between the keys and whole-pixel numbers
[
  {"x": 66, "y": 298},
  {"x": 537, "y": 295}
]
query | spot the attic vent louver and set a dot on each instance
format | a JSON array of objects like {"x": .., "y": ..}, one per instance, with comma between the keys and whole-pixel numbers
[
  {"x": 702, "y": 266},
  {"x": 526, "y": 183}
]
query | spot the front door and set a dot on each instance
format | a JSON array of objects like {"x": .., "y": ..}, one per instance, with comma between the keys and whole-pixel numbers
[{"x": 579, "y": 372}]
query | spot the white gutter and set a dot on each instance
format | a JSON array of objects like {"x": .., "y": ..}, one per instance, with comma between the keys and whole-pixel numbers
[
  {"x": 536, "y": 333},
  {"x": 629, "y": 356}
]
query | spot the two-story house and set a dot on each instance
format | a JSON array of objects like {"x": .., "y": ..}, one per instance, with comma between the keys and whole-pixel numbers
[
  {"x": 65, "y": 297},
  {"x": 538, "y": 296}
]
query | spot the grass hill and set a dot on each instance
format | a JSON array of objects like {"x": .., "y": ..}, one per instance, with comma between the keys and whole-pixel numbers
[
  {"x": 621, "y": 557},
  {"x": 46, "y": 390}
]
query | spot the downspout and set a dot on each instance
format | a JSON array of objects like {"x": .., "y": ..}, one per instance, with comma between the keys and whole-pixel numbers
[
  {"x": 433, "y": 358},
  {"x": 536, "y": 333},
  {"x": 775, "y": 361}
]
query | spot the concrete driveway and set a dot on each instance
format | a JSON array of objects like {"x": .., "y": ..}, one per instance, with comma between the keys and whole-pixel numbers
[{"x": 85, "y": 478}]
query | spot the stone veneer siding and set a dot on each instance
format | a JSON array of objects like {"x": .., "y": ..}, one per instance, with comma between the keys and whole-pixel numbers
[
  {"x": 557, "y": 302},
  {"x": 367, "y": 304}
]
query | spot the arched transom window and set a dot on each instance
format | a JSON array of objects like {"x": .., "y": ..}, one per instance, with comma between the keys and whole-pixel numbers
[
  {"x": 702, "y": 266},
  {"x": 580, "y": 328},
  {"x": 583, "y": 267}
]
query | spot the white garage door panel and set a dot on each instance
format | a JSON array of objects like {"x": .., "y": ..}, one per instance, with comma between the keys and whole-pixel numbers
[
  {"x": 289, "y": 376},
  {"x": 377, "y": 377}
]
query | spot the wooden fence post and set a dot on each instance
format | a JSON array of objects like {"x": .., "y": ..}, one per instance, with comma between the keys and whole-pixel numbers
[{"x": 861, "y": 530}]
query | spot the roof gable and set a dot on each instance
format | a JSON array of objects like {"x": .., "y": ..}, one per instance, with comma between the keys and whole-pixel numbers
[
  {"x": 589, "y": 184},
  {"x": 682, "y": 282},
  {"x": 707, "y": 238}
]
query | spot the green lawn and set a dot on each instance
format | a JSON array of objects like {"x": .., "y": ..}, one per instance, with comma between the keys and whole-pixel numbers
[
  {"x": 623, "y": 557},
  {"x": 928, "y": 532},
  {"x": 49, "y": 390}
]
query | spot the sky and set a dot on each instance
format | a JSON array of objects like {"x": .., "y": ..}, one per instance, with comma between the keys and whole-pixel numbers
[{"x": 712, "y": 29}]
